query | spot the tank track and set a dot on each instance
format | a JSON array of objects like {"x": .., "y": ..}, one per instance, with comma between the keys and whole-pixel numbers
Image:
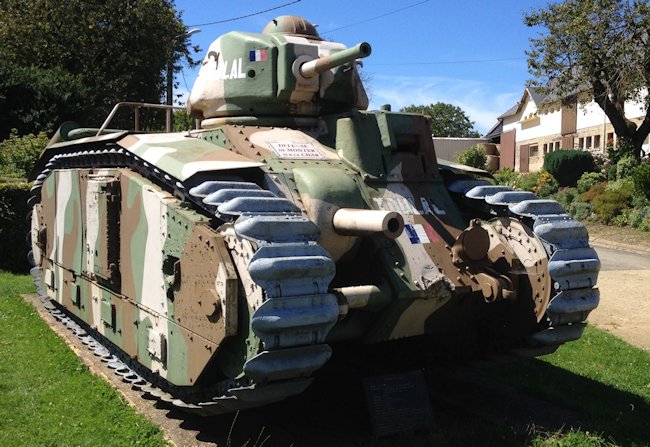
[
  {"x": 274, "y": 249},
  {"x": 573, "y": 264}
]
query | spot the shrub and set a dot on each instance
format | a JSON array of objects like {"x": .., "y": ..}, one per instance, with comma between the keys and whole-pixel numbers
[
  {"x": 568, "y": 165},
  {"x": 625, "y": 166},
  {"x": 541, "y": 183},
  {"x": 546, "y": 184},
  {"x": 610, "y": 204},
  {"x": 589, "y": 179},
  {"x": 594, "y": 191},
  {"x": 579, "y": 210},
  {"x": 641, "y": 180},
  {"x": 622, "y": 148},
  {"x": 475, "y": 156},
  {"x": 13, "y": 225},
  {"x": 19, "y": 154},
  {"x": 565, "y": 197},
  {"x": 506, "y": 176},
  {"x": 638, "y": 216},
  {"x": 622, "y": 219}
]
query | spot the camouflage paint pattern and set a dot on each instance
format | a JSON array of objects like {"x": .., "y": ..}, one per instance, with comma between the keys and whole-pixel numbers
[{"x": 167, "y": 279}]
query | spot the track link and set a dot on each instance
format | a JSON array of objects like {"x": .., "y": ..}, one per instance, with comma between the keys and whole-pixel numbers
[
  {"x": 276, "y": 253},
  {"x": 573, "y": 264}
]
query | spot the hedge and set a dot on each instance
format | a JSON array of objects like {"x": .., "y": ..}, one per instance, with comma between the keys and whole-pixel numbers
[
  {"x": 568, "y": 165},
  {"x": 14, "y": 225}
]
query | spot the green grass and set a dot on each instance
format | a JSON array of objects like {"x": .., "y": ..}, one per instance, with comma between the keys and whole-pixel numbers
[
  {"x": 47, "y": 395},
  {"x": 599, "y": 376}
]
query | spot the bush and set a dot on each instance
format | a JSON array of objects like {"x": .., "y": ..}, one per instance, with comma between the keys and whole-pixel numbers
[
  {"x": 14, "y": 226},
  {"x": 641, "y": 180},
  {"x": 475, "y": 156},
  {"x": 594, "y": 191},
  {"x": 546, "y": 184},
  {"x": 589, "y": 179},
  {"x": 565, "y": 197},
  {"x": 622, "y": 148},
  {"x": 638, "y": 216},
  {"x": 568, "y": 165},
  {"x": 579, "y": 210},
  {"x": 625, "y": 166},
  {"x": 610, "y": 204},
  {"x": 19, "y": 154},
  {"x": 506, "y": 177}
]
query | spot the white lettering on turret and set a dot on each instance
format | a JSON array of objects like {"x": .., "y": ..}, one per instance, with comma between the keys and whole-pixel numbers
[{"x": 235, "y": 71}]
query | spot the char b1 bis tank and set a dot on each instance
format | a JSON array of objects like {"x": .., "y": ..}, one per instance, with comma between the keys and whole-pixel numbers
[{"x": 219, "y": 268}]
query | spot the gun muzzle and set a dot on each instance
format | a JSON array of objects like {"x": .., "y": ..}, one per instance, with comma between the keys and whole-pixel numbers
[
  {"x": 356, "y": 222},
  {"x": 314, "y": 67}
]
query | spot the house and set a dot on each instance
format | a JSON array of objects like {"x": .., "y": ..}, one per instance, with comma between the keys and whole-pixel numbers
[{"x": 528, "y": 131}]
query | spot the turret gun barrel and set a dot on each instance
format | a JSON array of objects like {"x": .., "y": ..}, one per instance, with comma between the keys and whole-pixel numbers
[{"x": 314, "y": 67}]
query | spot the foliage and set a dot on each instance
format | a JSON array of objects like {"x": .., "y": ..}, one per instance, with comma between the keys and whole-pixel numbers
[
  {"x": 74, "y": 60},
  {"x": 604, "y": 165},
  {"x": 182, "y": 121},
  {"x": 19, "y": 154},
  {"x": 13, "y": 225},
  {"x": 623, "y": 147},
  {"x": 611, "y": 203},
  {"x": 565, "y": 196},
  {"x": 625, "y": 166},
  {"x": 639, "y": 218},
  {"x": 506, "y": 177},
  {"x": 594, "y": 191},
  {"x": 541, "y": 183},
  {"x": 589, "y": 179},
  {"x": 641, "y": 180},
  {"x": 568, "y": 165},
  {"x": 579, "y": 210},
  {"x": 41, "y": 376},
  {"x": 447, "y": 120},
  {"x": 594, "y": 46},
  {"x": 475, "y": 156}
]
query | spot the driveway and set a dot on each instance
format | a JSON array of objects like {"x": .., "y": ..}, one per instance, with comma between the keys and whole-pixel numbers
[{"x": 624, "y": 283}]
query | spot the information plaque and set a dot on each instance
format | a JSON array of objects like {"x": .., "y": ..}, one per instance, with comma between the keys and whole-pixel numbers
[{"x": 397, "y": 403}]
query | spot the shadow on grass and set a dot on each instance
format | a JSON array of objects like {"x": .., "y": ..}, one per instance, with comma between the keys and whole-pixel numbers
[{"x": 493, "y": 404}]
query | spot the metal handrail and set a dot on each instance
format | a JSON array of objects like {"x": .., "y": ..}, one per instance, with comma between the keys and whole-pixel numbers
[{"x": 136, "y": 108}]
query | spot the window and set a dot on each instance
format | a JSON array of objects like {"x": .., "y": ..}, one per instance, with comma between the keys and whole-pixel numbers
[
  {"x": 533, "y": 151},
  {"x": 596, "y": 141},
  {"x": 588, "y": 143},
  {"x": 581, "y": 143},
  {"x": 546, "y": 148},
  {"x": 610, "y": 138},
  {"x": 557, "y": 146}
]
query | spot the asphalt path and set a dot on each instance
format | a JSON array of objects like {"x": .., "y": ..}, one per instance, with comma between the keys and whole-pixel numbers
[
  {"x": 624, "y": 308},
  {"x": 612, "y": 259}
]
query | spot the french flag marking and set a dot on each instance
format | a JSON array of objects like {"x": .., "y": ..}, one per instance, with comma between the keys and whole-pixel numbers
[{"x": 257, "y": 55}]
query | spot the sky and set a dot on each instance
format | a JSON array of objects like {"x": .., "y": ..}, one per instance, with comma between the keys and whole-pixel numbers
[{"x": 468, "y": 53}]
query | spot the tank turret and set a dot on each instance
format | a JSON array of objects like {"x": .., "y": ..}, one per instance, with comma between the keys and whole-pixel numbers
[{"x": 286, "y": 71}]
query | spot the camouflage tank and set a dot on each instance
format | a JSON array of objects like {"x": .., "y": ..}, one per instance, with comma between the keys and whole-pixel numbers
[{"x": 219, "y": 268}]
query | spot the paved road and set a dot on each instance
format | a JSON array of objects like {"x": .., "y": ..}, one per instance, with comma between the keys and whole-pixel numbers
[
  {"x": 622, "y": 260},
  {"x": 624, "y": 283}
]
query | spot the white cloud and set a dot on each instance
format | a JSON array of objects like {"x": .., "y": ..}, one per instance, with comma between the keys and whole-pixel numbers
[{"x": 481, "y": 101}]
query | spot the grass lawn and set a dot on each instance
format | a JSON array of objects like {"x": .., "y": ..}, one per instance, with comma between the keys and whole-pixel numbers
[{"x": 49, "y": 398}]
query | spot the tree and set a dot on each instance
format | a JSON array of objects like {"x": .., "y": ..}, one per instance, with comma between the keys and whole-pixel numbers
[
  {"x": 447, "y": 120},
  {"x": 74, "y": 60},
  {"x": 601, "y": 47}
]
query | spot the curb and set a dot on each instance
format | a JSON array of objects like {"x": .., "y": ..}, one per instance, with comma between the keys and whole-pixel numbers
[{"x": 603, "y": 243}]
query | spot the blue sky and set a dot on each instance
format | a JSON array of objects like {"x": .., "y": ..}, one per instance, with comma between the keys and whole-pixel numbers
[{"x": 468, "y": 53}]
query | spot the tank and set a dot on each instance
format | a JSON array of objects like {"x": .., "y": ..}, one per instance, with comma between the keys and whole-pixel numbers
[{"x": 219, "y": 269}]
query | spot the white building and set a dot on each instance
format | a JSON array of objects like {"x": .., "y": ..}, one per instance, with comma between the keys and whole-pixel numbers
[{"x": 530, "y": 132}]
